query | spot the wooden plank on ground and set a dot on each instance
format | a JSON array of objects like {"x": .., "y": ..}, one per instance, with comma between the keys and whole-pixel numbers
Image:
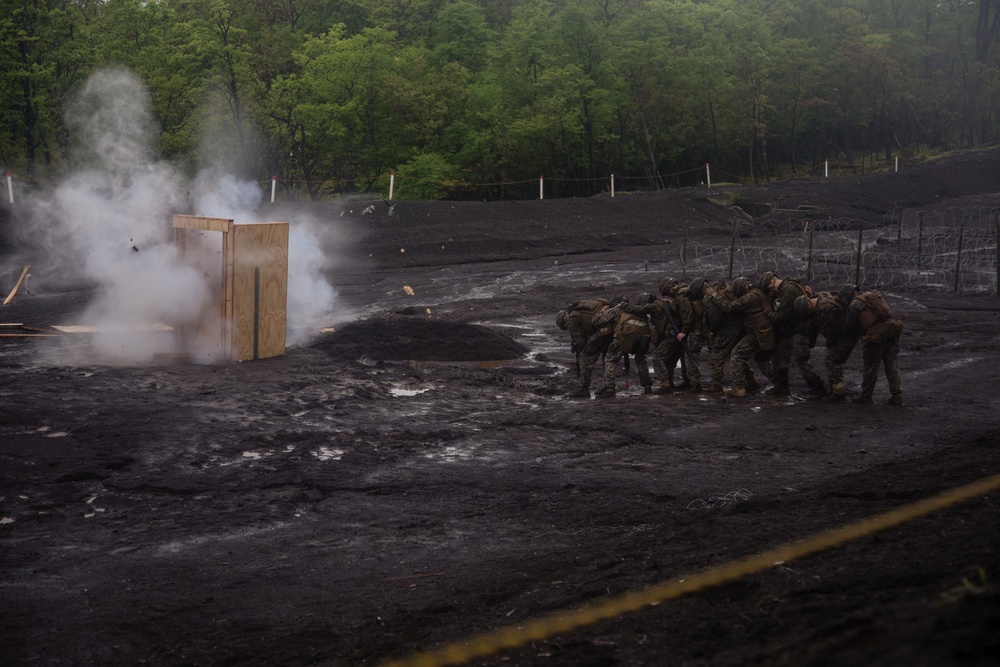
[
  {"x": 17, "y": 285},
  {"x": 137, "y": 328}
]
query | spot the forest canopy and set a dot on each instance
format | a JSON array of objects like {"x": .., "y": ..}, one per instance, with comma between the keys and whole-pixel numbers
[{"x": 478, "y": 98}]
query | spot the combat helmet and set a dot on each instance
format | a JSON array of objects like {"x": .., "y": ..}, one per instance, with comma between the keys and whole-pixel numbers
[
  {"x": 561, "y": 317},
  {"x": 765, "y": 280},
  {"x": 741, "y": 286},
  {"x": 667, "y": 286},
  {"x": 697, "y": 288},
  {"x": 645, "y": 298}
]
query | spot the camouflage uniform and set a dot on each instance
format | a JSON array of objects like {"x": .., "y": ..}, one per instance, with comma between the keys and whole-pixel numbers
[
  {"x": 725, "y": 330},
  {"x": 754, "y": 305},
  {"x": 870, "y": 318},
  {"x": 668, "y": 349},
  {"x": 590, "y": 341},
  {"x": 830, "y": 313},
  {"x": 631, "y": 336},
  {"x": 692, "y": 324},
  {"x": 791, "y": 340}
]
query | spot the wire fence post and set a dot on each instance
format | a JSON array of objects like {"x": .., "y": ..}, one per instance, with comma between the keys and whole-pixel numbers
[
  {"x": 274, "y": 185},
  {"x": 684, "y": 252},
  {"x": 732, "y": 247},
  {"x": 920, "y": 239},
  {"x": 541, "y": 189},
  {"x": 392, "y": 183},
  {"x": 996, "y": 246},
  {"x": 612, "y": 186},
  {"x": 857, "y": 266},
  {"x": 958, "y": 257},
  {"x": 809, "y": 254},
  {"x": 10, "y": 188},
  {"x": 708, "y": 176}
]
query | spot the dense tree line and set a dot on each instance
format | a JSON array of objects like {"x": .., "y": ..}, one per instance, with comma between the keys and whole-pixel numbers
[{"x": 468, "y": 98}]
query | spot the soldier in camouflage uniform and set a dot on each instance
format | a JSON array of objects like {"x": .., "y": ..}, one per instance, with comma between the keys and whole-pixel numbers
[
  {"x": 693, "y": 334},
  {"x": 631, "y": 337},
  {"x": 589, "y": 341},
  {"x": 791, "y": 338},
  {"x": 668, "y": 349},
  {"x": 870, "y": 318},
  {"x": 827, "y": 313},
  {"x": 758, "y": 333},
  {"x": 725, "y": 330}
]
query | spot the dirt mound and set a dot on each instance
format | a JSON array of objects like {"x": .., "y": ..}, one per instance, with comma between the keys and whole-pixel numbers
[{"x": 419, "y": 339}]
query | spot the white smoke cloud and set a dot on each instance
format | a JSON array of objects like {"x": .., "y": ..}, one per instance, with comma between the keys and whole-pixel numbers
[{"x": 114, "y": 214}]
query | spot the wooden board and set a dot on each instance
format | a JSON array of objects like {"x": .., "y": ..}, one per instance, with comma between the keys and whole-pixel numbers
[
  {"x": 200, "y": 222},
  {"x": 17, "y": 285},
  {"x": 88, "y": 328},
  {"x": 259, "y": 290}
]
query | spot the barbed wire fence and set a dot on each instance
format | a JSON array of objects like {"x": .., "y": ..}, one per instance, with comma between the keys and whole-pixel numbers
[{"x": 944, "y": 250}]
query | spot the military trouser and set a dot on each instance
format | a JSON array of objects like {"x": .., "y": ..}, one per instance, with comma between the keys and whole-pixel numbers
[
  {"x": 836, "y": 358},
  {"x": 719, "y": 350},
  {"x": 746, "y": 349},
  {"x": 693, "y": 344},
  {"x": 883, "y": 352},
  {"x": 665, "y": 357},
  {"x": 613, "y": 358},
  {"x": 781, "y": 359},
  {"x": 591, "y": 352},
  {"x": 801, "y": 344}
]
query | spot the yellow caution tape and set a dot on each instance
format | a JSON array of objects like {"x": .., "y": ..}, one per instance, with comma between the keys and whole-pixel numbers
[{"x": 488, "y": 644}]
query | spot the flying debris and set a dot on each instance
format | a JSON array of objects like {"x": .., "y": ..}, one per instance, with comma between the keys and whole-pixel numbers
[{"x": 370, "y": 209}]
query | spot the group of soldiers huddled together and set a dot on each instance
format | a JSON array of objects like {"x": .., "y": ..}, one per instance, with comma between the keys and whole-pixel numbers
[{"x": 765, "y": 323}]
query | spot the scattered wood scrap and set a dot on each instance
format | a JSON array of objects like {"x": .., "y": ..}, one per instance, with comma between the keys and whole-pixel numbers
[
  {"x": 17, "y": 285},
  {"x": 91, "y": 328},
  {"x": 26, "y": 331}
]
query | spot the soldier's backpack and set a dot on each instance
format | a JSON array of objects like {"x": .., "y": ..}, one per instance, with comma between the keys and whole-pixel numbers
[
  {"x": 875, "y": 301},
  {"x": 585, "y": 310}
]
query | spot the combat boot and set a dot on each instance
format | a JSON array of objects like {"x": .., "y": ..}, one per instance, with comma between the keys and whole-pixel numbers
[
  {"x": 837, "y": 393},
  {"x": 753, "y": 386},
  {"x": 816, "y": 392},
  {"x": 714, "y": 388},
  {"x": 737, "y": 391},
  {"x": 896, "y": 399},
  {"x": 664, "y": 388},
  {"x": 862, "y": 400},
  {"x": 579, "y": 392},
  {"x": 647, "y": 389},
  {"x": 683, "y": 386},
  {"x": 606, "y": 392},
  {"x": 695, "y": 388}
]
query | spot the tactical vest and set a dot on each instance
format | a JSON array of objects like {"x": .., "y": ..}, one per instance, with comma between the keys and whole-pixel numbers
[
  {"x": 877, "y": 310},
  {"x": 630, "y": 329},
  {"x": 584, "y": 310},
  {"x": 755, "y": 320}
]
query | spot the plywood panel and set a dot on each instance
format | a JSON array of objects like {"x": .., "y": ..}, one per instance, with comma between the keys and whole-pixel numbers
[
  {"x": 259, "y": 289},
  {"x": 201, "y": 222}
]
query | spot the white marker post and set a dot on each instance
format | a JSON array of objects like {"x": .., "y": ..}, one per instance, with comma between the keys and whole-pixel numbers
[
  {"x": 826, "y": 169},
  {"x": 612, "y": 185},
  {"x": 897, "y": 164},
  {"x": 274, "y": 185},
  {"x": 541, "y": 190},
  {"x": 392, "y": 183},
  {"x": 10, "y": 188},
  {"x": 708, "y": 176}
]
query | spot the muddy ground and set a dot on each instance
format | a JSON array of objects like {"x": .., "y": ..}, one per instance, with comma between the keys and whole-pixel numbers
[{"x": 416, "y": 475}]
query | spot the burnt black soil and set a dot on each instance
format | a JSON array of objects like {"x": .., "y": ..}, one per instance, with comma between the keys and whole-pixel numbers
[{"x": 415, "y": 475}]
